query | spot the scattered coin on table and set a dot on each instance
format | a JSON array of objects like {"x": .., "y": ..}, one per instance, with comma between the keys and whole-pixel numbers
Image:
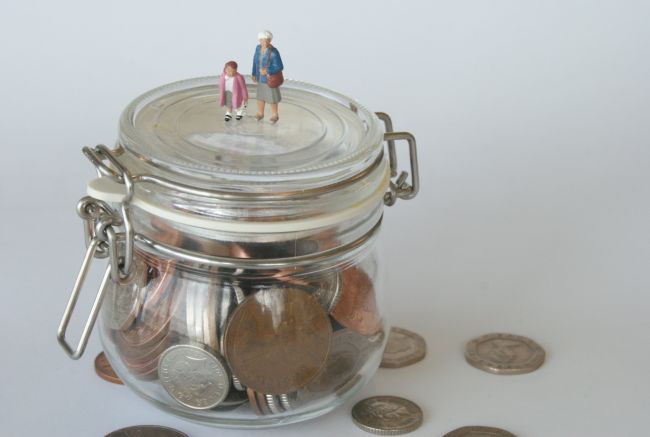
[
  {"x": 504, "y": 354},
  {"x": 403, "y": 349},
  {"x": 387, "y": 415},
  {"x": 146, "y": 431},
  {"x": 104, "y": 369},
  {"x": 479, "y": 431}
]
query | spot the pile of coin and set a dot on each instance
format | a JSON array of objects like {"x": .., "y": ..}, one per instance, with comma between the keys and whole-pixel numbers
[
  {"x": 218, "y": 341},
  {"x": 142, "y": 321}
]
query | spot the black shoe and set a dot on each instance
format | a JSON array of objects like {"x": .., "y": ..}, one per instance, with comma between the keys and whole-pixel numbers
[
  {"x": 228, "y": 117},
  {"x": 239, "y": 117}
]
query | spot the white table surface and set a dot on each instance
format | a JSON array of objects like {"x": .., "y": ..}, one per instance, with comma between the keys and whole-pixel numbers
[{"x": 532, "y": 121}]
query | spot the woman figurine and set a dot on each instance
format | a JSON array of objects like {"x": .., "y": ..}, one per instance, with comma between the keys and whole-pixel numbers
[
  {"x": 233, "y": 91},
  {"x": 266, "y": 61}
]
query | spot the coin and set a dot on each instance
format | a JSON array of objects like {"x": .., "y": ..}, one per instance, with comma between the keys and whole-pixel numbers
[
  {"x": 201, "y": 312},
  {"x": 387, "y": 415},
  {"x": 122, "y": 303},
  {"x": 277, "y": 340},
  {"x": 266, "y": 404},
  {"x": 403, "y": 349},
  {"x": 234, "y": 399},
  {"x": 146, "y": 431},
  {"x": 104, "y": 369},
  {"x": 357, "y": 308},
  {"x": 479, "y": 431},
  {"x": 348, "y": 353},
  {"x": 504, "y": 354},
  {"x": 328, "y": 290},
  {"x": 193, "y": 376}
]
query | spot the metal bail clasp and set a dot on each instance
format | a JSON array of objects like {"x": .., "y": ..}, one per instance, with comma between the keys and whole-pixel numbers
[
  {"x": 400, "y": 188},
  {"x": 72, "y": 302}
]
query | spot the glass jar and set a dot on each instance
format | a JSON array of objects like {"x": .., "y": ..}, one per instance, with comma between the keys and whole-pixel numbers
[{"x": 243, "y": 286}]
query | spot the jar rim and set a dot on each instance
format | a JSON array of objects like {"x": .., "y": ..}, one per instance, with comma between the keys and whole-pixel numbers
[{"x": 171, "y": 131}]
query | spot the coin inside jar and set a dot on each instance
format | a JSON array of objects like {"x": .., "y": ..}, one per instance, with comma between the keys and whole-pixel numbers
[
  {"x": 194, "y": 377},
  {"x": 122, "y": 302},
  {"x": 277, "y": 340},
  {"x": 357, "y": 307}
]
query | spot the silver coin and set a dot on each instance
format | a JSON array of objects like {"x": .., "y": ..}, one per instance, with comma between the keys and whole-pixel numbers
[
  {"x": 193, "y": 376},
  {"x": 387, "y": 415},
  {"x": 287, "y": 400},
  {"x": 273, "y": 402},
  {"x": 122, "y": 303},
  {"x": 237, "y": 384},
  {"x": 479, "y": 431},
  {"x": 504, "y": 354},
  {"x": 349, "y": 351},
  {"x": 146, "y": 431},
  {"x": 328, "y": 291},
  {"x": 233, "y": 400},
  {"x": 403, "y": 349},
  {"x": 200, "y": 313}
]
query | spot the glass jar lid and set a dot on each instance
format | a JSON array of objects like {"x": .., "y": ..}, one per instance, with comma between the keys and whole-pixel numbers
[{"x": 178, "y": 131}]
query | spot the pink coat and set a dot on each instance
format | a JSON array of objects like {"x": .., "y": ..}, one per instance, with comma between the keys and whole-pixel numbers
[{"x": 239, "y": 90}]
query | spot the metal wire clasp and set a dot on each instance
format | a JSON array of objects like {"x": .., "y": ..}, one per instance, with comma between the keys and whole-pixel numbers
[
  {"x": 121, "y": 271},
  {"x": 101, "y": 223},
  {"x": 399, "y": 187},
  {"x": 75, "y": 353}
]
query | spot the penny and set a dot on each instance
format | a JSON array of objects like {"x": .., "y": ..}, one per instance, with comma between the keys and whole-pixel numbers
[
  {"x": 146, "y": 431},
  {"x": 357, "y": 308},
  {"x": 154, "y": 322},
  {"x": 348, "y": 353},
  {"x": 504, "y": 354},
  {"x": 193, "y": 376},
  {"x": 277, "y": 340},
  {"x": 479, "y": 431},
  {"x": 387, "y": 415},
  {"x": 104, "y": 369},
  {"x": 403, "y": 349},
  {"x": 122, "y": 303}
]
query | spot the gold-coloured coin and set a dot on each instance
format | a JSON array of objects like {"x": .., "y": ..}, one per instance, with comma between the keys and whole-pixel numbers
[{"x": 277, "y": 340}]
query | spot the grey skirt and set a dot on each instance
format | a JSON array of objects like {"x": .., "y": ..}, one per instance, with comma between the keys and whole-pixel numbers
[{"x": 268, "y": 94}]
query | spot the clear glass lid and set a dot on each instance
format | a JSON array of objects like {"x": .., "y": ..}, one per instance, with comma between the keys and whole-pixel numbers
[{"x": 178, "y": 131}]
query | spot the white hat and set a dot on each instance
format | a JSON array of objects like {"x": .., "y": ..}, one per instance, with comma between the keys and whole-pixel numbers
[{"x": 265, "y": 34}]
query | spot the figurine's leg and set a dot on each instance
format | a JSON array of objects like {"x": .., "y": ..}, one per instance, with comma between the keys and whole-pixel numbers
[
  {"x": 228, "y": 114},
  {"x": 240, "y": 112},
  {"x": 260, "y": 109},
  {"x": 274, "y": 113}
]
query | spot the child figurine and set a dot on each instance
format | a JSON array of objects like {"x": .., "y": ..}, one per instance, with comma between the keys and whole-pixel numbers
[{"x": 233, "y": 91}]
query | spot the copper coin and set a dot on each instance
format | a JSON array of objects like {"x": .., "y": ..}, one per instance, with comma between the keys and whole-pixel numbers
[
  {"x": 277, "y": 340},
  {"x": 479, "y": 431},
  {"x": 146, "y": 431},
  {"x": 357, "y": 308},
  {"x": 105, "y": 371}
]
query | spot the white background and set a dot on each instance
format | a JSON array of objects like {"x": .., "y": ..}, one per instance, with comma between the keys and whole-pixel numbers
[{"x": 532, "y": 121}]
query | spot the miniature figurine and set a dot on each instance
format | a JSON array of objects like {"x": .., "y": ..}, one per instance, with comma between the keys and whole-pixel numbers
[
  {"x": 267, "y": 73},
  {"x": 233, "y": 91}
]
